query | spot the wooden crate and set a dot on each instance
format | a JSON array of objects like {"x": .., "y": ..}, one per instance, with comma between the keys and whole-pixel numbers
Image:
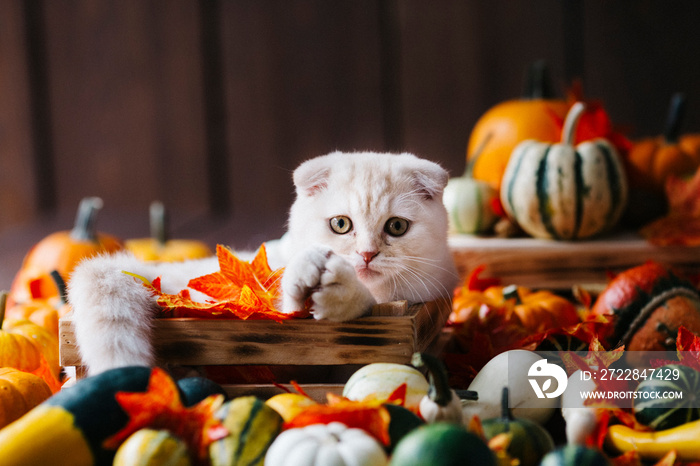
[
  {"x": 392, "y": 333},
  {"x": 539, "y": 263}
]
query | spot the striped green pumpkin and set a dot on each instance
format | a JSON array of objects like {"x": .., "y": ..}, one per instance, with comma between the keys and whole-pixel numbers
[
  {"x": 252, "y": 427},
  {"x": 150, "y": 447},
  {"x": 664, "y": 413},
  {"x": 575, "y": 455},
  {"x": 562, "y": 191}
]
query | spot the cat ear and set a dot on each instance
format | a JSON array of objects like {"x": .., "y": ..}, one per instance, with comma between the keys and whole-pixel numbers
[
  {"x": 430, "y": 178},
  {"x": 312, "y": 176}
]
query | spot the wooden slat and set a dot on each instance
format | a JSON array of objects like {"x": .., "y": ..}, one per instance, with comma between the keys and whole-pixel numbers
[
  {"x": 540, "y": 263},
  {"x": 294, "y": 342}
]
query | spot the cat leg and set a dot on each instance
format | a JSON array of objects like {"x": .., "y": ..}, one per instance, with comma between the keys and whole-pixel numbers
[
  {"x": 112, "y": 312},
  {"x": 331, "y": 282}
]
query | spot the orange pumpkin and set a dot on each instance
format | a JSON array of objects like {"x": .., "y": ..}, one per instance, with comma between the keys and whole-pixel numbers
[
  {"x": 16, "y": 350},
  {"x": 45, "y": 341},
  {"x": 535, "y": 116},
  {"x": 652, "y": 160},
  {"x": 536, "y": 311},
  {"x": 159, "y": 248},
  {"x": 61, "y": 251},
  {"x": 19, "y": 393},
  {"x": 43, "y": 312}
]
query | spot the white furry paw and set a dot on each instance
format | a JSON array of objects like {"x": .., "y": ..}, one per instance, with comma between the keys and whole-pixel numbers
[{"x": 331, "y": 283}]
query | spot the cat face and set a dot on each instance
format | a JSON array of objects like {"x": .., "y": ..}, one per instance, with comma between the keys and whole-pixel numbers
[{"x": 381, "y": 212}]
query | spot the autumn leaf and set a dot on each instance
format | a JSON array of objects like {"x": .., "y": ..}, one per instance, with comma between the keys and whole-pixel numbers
[
  {"x": 238, "y": 290},
  {"x": 160, "y": 407},
  {"x": 370, "y": 416}
]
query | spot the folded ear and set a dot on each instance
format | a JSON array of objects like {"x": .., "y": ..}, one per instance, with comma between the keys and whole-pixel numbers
[
  {"x": 429, "y": 177},
  {"x": 312, "y": 176}
]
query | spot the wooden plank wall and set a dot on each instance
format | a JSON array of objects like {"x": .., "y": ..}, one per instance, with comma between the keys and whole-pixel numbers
[{"x": 209, "y": 105}]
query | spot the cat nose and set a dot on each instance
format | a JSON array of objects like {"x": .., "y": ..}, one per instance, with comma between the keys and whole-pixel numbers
[{"x": 368, "y": 256}]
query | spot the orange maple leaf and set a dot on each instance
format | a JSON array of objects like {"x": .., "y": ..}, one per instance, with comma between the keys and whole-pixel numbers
[
  {"x": 160, "y": 407},
  {"x": 238, "y": 290}
]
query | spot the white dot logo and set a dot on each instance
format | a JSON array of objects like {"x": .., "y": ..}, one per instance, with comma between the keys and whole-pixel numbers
[{"x": 541, "y": 374}]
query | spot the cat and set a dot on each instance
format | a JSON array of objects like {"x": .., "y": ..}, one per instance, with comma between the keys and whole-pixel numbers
[{"x": 364, "y": 228}]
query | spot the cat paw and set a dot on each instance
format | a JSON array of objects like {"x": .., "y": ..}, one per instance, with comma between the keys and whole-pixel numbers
[{"x": 331, "y": 283}]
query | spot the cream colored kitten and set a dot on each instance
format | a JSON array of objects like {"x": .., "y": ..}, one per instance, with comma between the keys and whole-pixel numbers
[{"x": 365, "y": 228}]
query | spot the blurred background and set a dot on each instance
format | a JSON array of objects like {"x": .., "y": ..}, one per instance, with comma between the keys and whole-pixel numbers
[{"x": 208, "y": 105}]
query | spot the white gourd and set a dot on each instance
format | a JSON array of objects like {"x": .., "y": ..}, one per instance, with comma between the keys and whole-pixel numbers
[{"x": 332, "y": 444}]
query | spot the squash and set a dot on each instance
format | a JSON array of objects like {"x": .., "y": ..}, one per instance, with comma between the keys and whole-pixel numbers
[
  {"x": 652, "y": 409},
  {"x": 653, "y": 159},
  {"x": 252, "y": 427},
  {"x": 529, "y": 441},
  {"x": 441, "y": 403},
  {"x": 379, "y": 380},
  {"x": 575, "y": 455},
  {"x": 289, "y": 405},
  {"x": 16, "y": 350},
  {"x": 332, "y": 444},
  {"x": 19, "y": 393},
  {"x": 195, "y": 389},
  {"x": 470, "y": 203},
  {"x": 534, "y": 116},
  {"x": 646, "y": 305},
  {"x": 498, "y": 373},
  {"x": 41, "y": 311},
  {"x": 159, "y": 247},
  {"x": 68, "y": 429},
  {"x": 444, "y": 444},
  {"x": 61, "y": 251},
  {"x": 401, "y": 422},
  {"x": 654, "y": 445},
  {"x": 150, "y": 447},
  {"x": 45, "y": 341},
  {"x": 565, "y": 192}
]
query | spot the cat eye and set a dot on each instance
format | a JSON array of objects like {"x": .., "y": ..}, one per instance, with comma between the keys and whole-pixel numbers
[
  {"x": 341, "y": 224},
  {"x": 396, "y": 226}
]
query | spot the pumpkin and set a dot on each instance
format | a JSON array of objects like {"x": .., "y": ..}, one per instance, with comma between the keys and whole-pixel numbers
[
  {"x": 470, "y": 203},
  {"x": 252, "y": 427},
  {"x": 534, "y": 116},
  {"x": 332, "y": 444},
  {"x": 653, "y": 159},
  {"x": 61, "y": 251},
  {"x": 441, "y": 403},
  {"x": 536, "y": 311},
  {"x": 646, "y": 305},
  {"x": 19, "y": 392},
  {"x": 45, "y": 341},
  {"x": 529, "y": 441},
  {"x": 159, "y": 247},
  {"x": 16, "y": 350},
  {"x": 659, "y": 412},
  {"x": 150, "y": 447},
  {"x": 442, "y": 443},
  {"x": 575, "y": 455},
  {"x": 565, "y": 192},
  {"x": 43, "y": 312},
  {"x": 379, "y": 380}
]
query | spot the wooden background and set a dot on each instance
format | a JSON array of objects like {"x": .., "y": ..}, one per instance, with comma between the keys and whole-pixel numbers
[{"x": 208, "y": 105}]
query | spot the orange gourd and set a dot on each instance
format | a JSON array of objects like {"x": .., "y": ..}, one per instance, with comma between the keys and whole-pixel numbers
[
  {"x": 19, "y": 393},
  {"x": 652, "y": 160},
  {"x": 43, "y": 312},
  {"x": 535, "y": 116},
  {"x": 162, "y": 249},
  {"x": 61, "y": 251},
  {"x": 16, "y": 350}
]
